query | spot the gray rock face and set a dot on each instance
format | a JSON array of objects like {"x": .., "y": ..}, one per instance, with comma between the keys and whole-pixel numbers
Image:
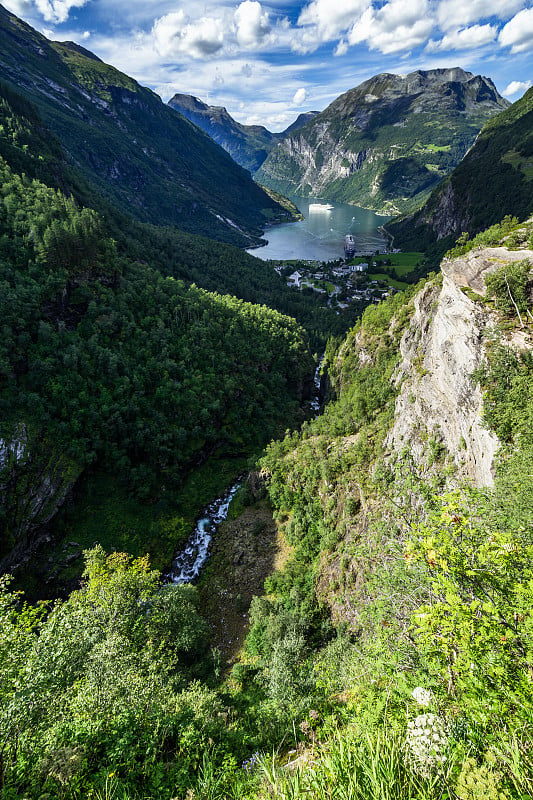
[
  {"x": 34, "y": 482},
  {"x": 449, "y": 215},
  {"x": 385, "y": 143},
  {"x": 443, "y": 345}
]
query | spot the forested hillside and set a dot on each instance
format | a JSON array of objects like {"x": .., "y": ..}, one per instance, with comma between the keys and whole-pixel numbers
[
  {"x": 391, "y": 653},
  {"x": 500, "y": 159},
  {"x": 130, "y": 148},
  {"x": 30, "y": 148},
  {"x": 108, "y": 360}
]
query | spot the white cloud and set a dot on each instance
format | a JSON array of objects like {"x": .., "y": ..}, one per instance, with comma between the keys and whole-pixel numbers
[
  {"x": 516, "y": 87},
  {"x": 342, "y": 48},
  {"x": 518, "y": 33},
  {"x": 398, "y": 25},
  {"x": 251, "y": 23},
  {"x": 300, "y": 96},
  {"x": 475, "y": 36},
  {"x": 247, "y": 27},
  {"x": 57, "y": 10},
  {"x": 174, "y": 34},
  {"x": 324, "y": 20},
  {"x": 459, "y": 13},
  {"x": 19, "y": 7},
  {"x": 54, "y": 11}
]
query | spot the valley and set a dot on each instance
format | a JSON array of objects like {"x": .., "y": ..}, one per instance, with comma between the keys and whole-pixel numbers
[{"x": 266, "y": 506}]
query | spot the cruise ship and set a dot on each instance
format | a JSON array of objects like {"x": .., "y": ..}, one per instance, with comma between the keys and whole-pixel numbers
[
  {"x": 349, "y": 246},
  {"x": 320, "y": 208}
]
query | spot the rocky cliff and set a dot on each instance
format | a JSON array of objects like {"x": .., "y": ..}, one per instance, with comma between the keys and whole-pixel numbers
[
  {"x": 435, "y": 437},
  {"x": 440, "y": 404},
  {"x": 385, "y": 144},
  {"x": 35, "y": 480},
  {"x": 493, "y": 179}
]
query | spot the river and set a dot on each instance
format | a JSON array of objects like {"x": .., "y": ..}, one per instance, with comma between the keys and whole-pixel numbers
[
  {"x": 188, "y": 561},
  {"x": 320, "y": 236}
]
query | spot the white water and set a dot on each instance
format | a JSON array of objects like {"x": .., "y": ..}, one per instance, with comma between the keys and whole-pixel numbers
[
  {"x": 187, "y": 563},
  {"x": 315, "y": 402}
]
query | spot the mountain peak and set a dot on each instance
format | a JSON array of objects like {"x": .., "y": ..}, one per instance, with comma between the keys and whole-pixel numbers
[{"x": 387, "y": 142}]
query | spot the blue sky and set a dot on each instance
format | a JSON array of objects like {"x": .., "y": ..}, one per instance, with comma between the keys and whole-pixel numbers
[{"x": 268, "y": 60}]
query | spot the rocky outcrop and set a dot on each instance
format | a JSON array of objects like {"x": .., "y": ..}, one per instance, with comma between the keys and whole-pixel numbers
[
  {"x": 35, "y": 479},
  {"x": 387, "y": 142},
  {"x": 439, "y": 408},
  {"x": 450, "y": 215}
]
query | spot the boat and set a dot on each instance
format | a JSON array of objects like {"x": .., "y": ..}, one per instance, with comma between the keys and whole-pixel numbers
[
  {"x": 319, "y": 208},
  {"x": 349, "y": 246}
]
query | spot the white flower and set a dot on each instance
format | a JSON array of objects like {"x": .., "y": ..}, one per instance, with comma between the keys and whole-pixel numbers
[
  {"x": 422, "y": 696},
  {"x": 424, "y": 742}
]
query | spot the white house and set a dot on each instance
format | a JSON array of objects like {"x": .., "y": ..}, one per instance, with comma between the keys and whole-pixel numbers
[{"x": 295, "y": 280}]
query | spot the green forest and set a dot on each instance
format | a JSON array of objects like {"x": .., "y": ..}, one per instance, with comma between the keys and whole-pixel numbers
[
  {"x": 423, "y": 690},
  {"x": 112, "y": 358},
  {"x": 388, "y": 655}
]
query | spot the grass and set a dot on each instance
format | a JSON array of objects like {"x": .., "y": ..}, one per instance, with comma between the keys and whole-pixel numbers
[
  {"x": 519, "y": 162},
  {"x": 351, "y": 766},
  {"x": 404, "y": 262},
  {"x": 434, "y": 148},
  {"x": 380, "y": 276}
]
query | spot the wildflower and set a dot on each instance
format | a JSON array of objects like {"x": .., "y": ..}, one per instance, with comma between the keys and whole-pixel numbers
[
  {"x": 250, "y": 763},
  {"x": 422, "y": 696}
]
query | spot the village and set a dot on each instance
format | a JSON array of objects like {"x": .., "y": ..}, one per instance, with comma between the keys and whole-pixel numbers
[{"x": 359, "y": 280}]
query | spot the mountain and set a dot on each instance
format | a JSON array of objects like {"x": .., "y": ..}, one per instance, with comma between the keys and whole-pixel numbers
[
  {"x": 385, "y": 144},
  {"x": 248, "y": 145},
  {"x": 494, "y": 178},
  {"x": 111, "y": 361},
  {"x": 130, "y": 148},
  {"x": 301, "y": 120}
]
